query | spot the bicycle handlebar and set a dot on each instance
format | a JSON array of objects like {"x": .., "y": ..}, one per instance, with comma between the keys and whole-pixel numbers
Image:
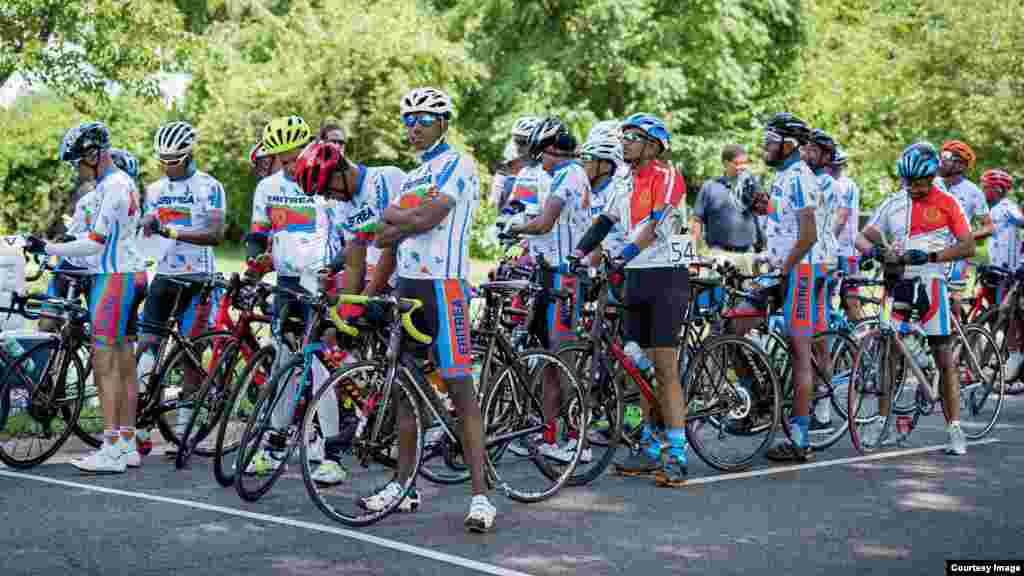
[{"x": 406, "y": 307}]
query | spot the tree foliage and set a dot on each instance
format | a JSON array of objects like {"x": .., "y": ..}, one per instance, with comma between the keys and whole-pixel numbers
[{"x": 77, "y": 48}]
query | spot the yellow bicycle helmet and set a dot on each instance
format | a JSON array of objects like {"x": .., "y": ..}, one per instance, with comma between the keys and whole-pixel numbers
[{"x": 285, "y": 134}]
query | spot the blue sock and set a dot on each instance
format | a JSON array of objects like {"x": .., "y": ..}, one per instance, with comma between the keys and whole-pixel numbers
[
  {"x": 676, "y": 438},
  {"x": 650, "y": 441},
  {"x": 801, "y": 424}
]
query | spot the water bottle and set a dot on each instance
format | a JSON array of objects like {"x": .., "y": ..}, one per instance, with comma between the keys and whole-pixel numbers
[
  {"x": 145, "y": 368},
  {"x": 640, "y": 360},
  {"x": 14, "y": 349}
]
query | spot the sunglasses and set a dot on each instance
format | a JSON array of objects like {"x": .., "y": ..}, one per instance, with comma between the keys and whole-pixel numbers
[
  {"x": 425, "y": 119},
  {"x": 949, "y": 155},
  {"x": 916, "y": 182},
  {"x": 338, "y": 142},
  {"x": 635, "y": 137},
  {"x": 176, "y": 161}
]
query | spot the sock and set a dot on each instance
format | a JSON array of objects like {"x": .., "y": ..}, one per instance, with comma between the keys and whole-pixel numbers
[
  {"x": 111, "y": 436},
  {"x": 128, "y": 437},
  {"x": 954, "y": 423},
  {"x": 648, "y": 437},
  {"x": 801, "y": 423},
  {"x": 676, "y": 438}
]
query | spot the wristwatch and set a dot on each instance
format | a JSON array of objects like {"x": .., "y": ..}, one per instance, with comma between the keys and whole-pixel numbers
[{"x": 933, "y": 257}]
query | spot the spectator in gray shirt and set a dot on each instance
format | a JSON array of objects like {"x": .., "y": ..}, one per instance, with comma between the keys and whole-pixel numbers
[{"x": 722, "y": 220}]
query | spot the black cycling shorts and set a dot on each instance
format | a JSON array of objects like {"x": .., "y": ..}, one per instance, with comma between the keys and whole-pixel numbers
[
  {"x": 192, "y": 314},
  {"x": 656, "y": 301}
]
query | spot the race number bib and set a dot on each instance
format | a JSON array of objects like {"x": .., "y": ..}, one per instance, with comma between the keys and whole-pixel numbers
[{"x": 681, "y": 250}]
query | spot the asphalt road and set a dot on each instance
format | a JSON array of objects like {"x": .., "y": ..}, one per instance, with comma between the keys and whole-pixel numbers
[{"x": 903, "y": 511}]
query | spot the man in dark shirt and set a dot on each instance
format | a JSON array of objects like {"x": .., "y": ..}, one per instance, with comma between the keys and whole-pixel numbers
[{"x": 722, "y": 220}]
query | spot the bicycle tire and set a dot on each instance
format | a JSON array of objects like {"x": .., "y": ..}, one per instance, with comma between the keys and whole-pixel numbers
[
  {"x": 364, "y": 447},
  {"x": 604, "y": 396},
  {"x": 246, "y": 391},
  {"x": 259, "y": 424},
  {"x": 156, "y": 407},
  {"x": 747, "y": 413},
  {"x": 209, "y": 404},
  {"x": 13, "y": 384},
  {"x": 95, "y": 419},
  {"x": 992, "y": 363},
  {"x": 526, "y": 412},
  {"x": 871, "y": 379}
]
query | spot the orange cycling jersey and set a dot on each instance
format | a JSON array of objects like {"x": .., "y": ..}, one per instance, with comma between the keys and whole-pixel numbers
[{"x": 655, "y": 187}]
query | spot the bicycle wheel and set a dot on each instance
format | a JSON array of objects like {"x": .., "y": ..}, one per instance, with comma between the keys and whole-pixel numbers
[
  {"x": 871, "y": 381},
  {"x": 733, "y": 402},
  {"x": 982, "y": 387},
  {"x": 43, "y": 403},
  {"x": 605, "y": 407},
  {"x": 244, "y": 395},
  {"x": 828, "y": 403},
  {"x": 513, "y": 410},
  {"x": 272, "y": 432},
  {"x": 210, "y": 401},
  {"x": 366, "y": 441},
  {"x": 181, "y": 376},
  {"x": 89, "y": 426}
]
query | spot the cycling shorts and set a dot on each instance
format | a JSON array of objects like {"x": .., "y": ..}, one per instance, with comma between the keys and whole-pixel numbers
[
  {"x": 557, "y": 320},
  {"x": 937, "y": 321},
  {"x": 850, "y": 266},
  {"x": 444, "y": 317},
  {"x": 114, "y": 307},
  {"x": 192, "y": 310},
  {"x": 656, "y": 300},
  {"x": 804, "y": 304},
  {"x": 286, "y": 305}
]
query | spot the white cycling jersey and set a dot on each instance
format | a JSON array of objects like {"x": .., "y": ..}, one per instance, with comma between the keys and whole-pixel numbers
[
  {"x": 793, "y": 189},
  {"x": 358, "y": 219},
  {"x": 848, "y": 197},
  {"x": 296, "y": 224},
  {"x": 570, "y": 185},
  {"x": 116, "y": 223},
  {"x": 85, "y": 213},
  {"x": 1007, "y": 220},
  {"x": 187, "y": 204},
  {"x": 443, "y": 251}
]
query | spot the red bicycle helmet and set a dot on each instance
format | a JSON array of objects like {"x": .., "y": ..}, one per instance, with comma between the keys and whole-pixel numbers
[{"x": 315, "y": 166}]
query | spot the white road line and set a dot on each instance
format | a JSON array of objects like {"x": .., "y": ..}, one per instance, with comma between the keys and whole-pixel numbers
[
  {"x": 362, "y": 537},
  {"x": 826, "y": 463}
]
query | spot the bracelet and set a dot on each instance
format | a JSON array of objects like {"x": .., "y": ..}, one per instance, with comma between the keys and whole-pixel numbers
[
  {"x": 933, "y": 257},
  {"x": 172, "y": 233}
]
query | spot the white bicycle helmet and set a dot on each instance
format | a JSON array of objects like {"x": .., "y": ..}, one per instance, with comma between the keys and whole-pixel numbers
[
  {"x": 426, "y": 100},
  {"x": 174, "y": 139},
  {"x": 524, "y": 126},
  {"x": 605, "y": 127},
  {"x": 603, "y": 146}
]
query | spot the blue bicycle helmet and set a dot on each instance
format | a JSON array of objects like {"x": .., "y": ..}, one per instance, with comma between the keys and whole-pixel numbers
[
  {"x": 83, "y": 138},
  {"x": 124, "y": 160},
  {"x": 650, "y": 125},
  {"x": 919, "y": 160}
]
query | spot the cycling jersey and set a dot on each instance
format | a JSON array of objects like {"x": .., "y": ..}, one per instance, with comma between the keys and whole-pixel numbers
[
  {"x": 358, "y": 219},
  {"x": 848, "y": 194},
  {"x": 600, "y": 197},
  {"x": 970, "y": 197},
  {"x": 117, "y": 222},
  {"x": 929, "y": 224},
  {"x": 81, "y": 222},
  {"x": 793, "y": 189},
  {"x": 186, "y": 204},
  {"x": 1005, "y": 250},
  {"x": 297, "y": 224},
  {"x": 657, "y": 187},
  {"x": 828, "y": 204},
  {"x": 570, "y": 186},
  {"x": 443, "y": 251}
]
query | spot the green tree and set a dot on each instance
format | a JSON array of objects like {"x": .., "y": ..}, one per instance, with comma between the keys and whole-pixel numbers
[
  {"x": 707, "y": 68},
  {"x": 76, "y": 47}
]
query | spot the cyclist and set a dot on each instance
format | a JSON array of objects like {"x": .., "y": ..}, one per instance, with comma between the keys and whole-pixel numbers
[
  {"x": 847, "y": 221},
  {"x": 361, "y": 195},
  {"x": 927, "y": 227},
  {"x": 604, "y": 146},
  {"x": 505, "y": 175},
  {"x": 800, "y": 245},
  {"x": 186, "y": 207},
  {"x": 431, "y": 220},
  {"x": 1005, "y": 252},
  {"x": 117, "y": 291},
  {"x": 288, "y": 234},
  {"x": 332, "y": 132},
  {"x": 648, "y": 216},
  {"x": 565, "y": 215},
  {"x": 956, "y": 158}
]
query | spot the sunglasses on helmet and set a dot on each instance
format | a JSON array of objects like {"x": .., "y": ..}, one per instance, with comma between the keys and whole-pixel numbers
[
  {"x": 949, "y": 155},
  {"x": 424, "y": 119},
  {"x": 172, "y": 160}
]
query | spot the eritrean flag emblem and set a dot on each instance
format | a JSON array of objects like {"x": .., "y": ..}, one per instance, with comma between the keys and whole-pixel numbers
[
  {"x": 174, "y": 216},
  {"x": 284, "y": 218}
]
